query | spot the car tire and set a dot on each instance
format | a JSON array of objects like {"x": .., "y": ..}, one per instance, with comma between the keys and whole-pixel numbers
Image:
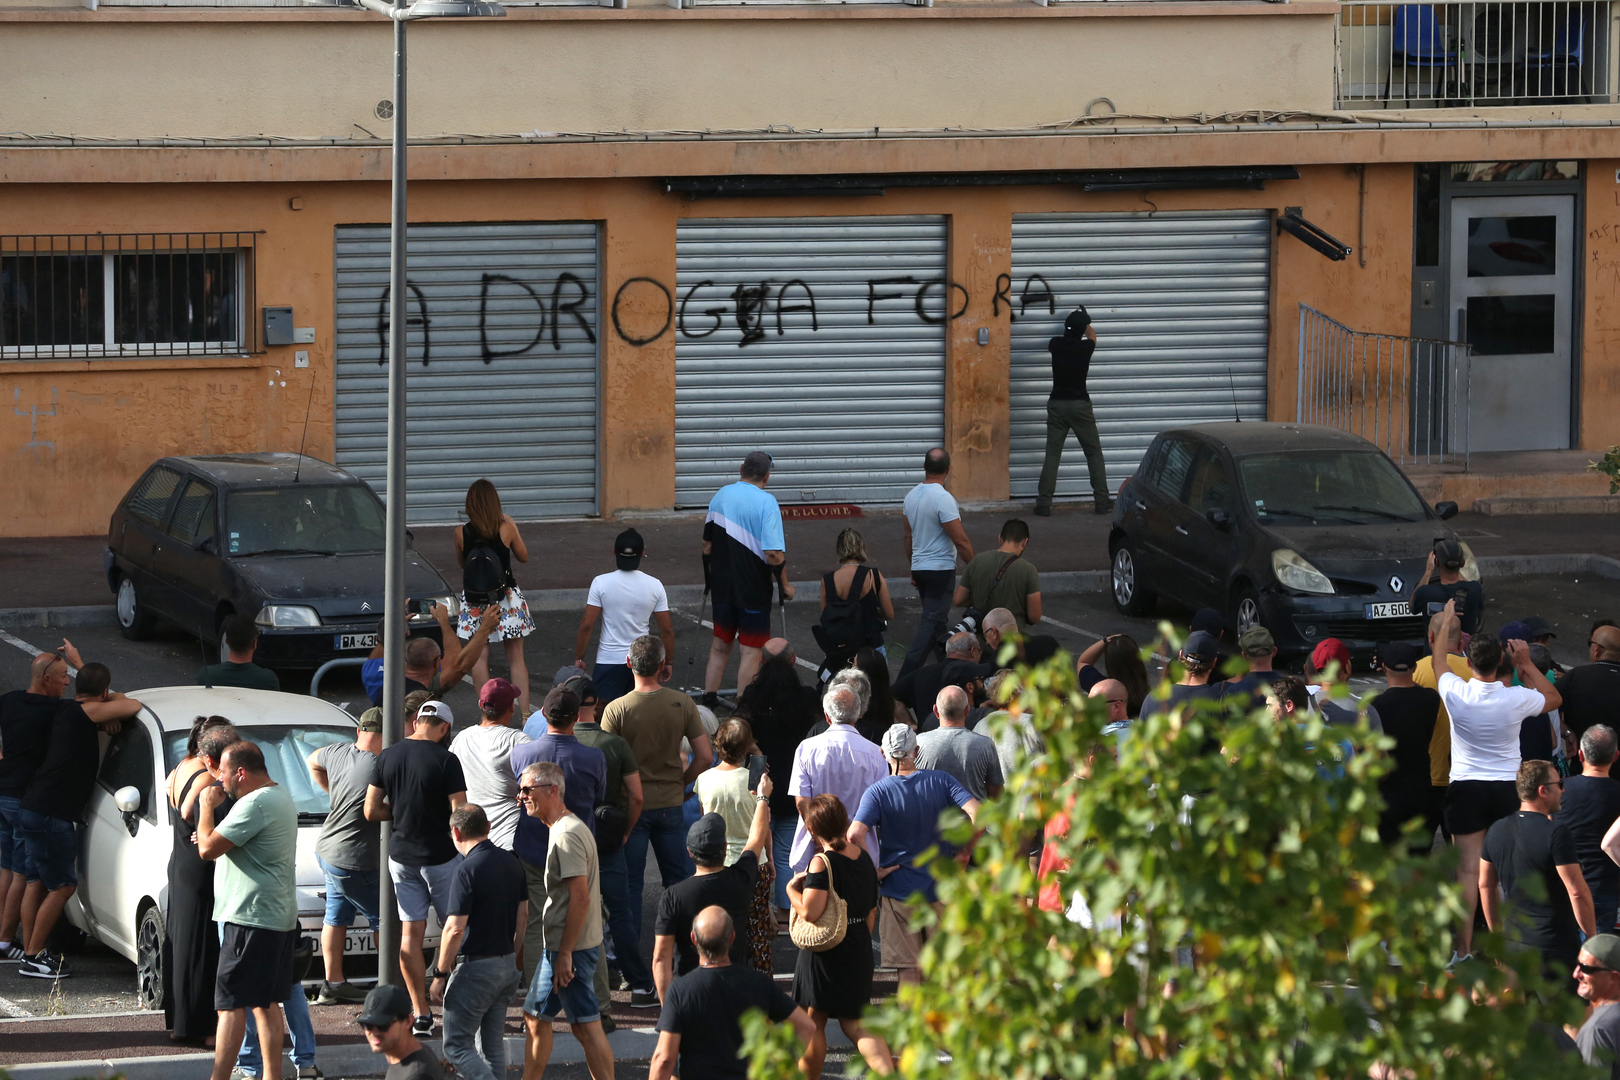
[
  {"x": 134, "y": 622},
  {"x": 1130, "y": 596},
  {"x": 1246, "y": 610},
  {"x": 150, "y": 988}
]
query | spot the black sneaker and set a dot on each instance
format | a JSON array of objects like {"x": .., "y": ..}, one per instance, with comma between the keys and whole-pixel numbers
[
  {"x": 1102, "y": 506},
  {"x": 1043, "y": 510},
  {"x": 12, "y": 954},
  {"x": 711, "y": 699},
  {"x": 43, "y": 966},
  {"x": 644, "y": 999},
  {"x": 340, "y": 993},
  {"x": 422, "y": 1026}
]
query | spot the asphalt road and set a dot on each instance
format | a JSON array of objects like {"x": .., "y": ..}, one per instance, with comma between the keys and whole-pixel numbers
[{"x": 104, "y": 982}]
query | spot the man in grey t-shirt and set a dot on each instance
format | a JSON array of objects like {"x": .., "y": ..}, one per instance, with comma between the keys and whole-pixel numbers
[
  {"x": 347, "y": 848},
  {"x": 934, "y": 541},
  {"x": 965, "y": 755},
  {"x": 1597, "y": 979}
]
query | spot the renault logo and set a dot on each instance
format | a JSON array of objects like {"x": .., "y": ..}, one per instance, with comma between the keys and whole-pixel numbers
[
  {"x": 1396, "y": 585},
  {"x": 367, "y": 607}
]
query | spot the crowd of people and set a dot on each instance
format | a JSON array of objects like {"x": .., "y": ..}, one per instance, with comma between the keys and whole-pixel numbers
[{"x": 808, "y": 811}]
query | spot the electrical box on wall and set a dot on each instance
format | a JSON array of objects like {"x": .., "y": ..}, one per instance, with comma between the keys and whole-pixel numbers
[{"x": 278, "y": 326}]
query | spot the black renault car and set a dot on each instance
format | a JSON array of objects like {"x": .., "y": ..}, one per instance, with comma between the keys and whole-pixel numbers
[
  {"x": 293, "y": 541},
  {"x": 1311, "y": 531}
]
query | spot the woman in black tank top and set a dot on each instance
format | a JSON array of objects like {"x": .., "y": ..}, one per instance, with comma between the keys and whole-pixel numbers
[{"x": 490, "y": 527}]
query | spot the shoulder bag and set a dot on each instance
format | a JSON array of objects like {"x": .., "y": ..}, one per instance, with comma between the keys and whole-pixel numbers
[{"x": 827, "y": 930}]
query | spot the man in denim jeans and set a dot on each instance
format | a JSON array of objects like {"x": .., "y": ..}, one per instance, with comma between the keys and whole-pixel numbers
[
  {"x": 653, "y": 720},
  {"x": 347, "y": 850},
  {"x": 934, "y": 537},
  {"x": 489, "y": 905}
]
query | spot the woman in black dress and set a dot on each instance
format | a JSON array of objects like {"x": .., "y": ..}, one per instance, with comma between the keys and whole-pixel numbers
[
  {"x": 837, "y": 984},
  {"x": 191, "y": 944}
]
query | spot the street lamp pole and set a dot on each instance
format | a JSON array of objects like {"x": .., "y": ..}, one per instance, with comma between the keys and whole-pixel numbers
[{"x": 394, "y": 614}]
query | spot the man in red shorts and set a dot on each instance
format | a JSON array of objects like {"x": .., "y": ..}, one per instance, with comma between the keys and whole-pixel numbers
[{"x": 743, "y": 550}]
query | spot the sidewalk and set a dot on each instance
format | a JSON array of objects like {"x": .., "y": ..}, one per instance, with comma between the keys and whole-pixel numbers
[{"x": 66, "y": 571}]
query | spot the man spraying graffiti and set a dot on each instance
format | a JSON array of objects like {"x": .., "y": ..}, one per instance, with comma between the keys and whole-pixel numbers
[{"x": 1069, "y": 409}]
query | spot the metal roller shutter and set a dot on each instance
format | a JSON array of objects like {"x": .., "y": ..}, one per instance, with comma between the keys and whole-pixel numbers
[
  {"x": 508, "y": 316},
  {"x": 1181, "y": 304},
  {"x": 846, "y": 398}
]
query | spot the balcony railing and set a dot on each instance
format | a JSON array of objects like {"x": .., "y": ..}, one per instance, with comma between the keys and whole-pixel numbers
[{"x": 1517, "y": 52}]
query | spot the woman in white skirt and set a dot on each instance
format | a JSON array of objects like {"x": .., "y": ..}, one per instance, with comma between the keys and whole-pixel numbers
[{"x": 488, "y": 527}]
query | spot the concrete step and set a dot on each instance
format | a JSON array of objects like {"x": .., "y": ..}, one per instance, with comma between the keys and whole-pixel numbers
[{"x": 1556, "y": 504}]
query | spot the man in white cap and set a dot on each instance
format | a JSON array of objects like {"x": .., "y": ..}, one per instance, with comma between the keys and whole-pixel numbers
[{"x": 904, "y": 808}]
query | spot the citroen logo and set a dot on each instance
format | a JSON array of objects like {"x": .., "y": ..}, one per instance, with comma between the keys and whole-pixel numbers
[
  {"x": 1396, "y": 585},
  {"x": 367, "y": 606}
]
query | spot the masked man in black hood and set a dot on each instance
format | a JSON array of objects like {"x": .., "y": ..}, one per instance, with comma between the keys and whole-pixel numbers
[{"x": 1069, "y": 409}]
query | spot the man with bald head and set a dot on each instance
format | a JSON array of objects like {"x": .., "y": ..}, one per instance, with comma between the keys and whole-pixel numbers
[
  {"x": 1592, "y": 692},
  {"x": 918, "y": 690},
  {"x": 1114, "y": 693},
  {"x": 965, "y": 755},
  {"x": 1000, "y": 626},
  {"x": 701, "y": 1019}
]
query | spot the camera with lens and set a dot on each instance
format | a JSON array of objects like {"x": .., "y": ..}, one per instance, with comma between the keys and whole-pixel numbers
[{"x": 971, "y": 622}]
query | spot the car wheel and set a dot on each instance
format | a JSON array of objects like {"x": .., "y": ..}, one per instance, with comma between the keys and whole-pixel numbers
[
  {"x": 1131, "y": 597},
  {"x": 1246, "y": 608},
  {"x": 149, "y": 935},
  {"x": 133, "y": 620}
]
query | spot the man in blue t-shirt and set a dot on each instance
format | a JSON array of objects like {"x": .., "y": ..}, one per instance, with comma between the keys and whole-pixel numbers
[
  {"x": 905, "y": 808},
  {"x": 934, "y": 539},
  {"x": 743, "y": 550}
]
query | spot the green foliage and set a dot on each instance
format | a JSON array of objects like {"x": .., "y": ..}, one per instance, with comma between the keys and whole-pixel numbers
[
  {"x": 1608, "y": 465},
  {"x": 1249, "y": 928}
]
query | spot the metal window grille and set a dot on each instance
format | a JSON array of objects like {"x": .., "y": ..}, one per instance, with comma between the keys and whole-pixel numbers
[
  {"x": 66, "y": 296},
  {"x": 1408, "y": 396},
  {"x": 1517, "y": 52}
]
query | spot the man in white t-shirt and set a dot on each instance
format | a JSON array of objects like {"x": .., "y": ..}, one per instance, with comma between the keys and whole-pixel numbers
[
  {"x": 1486, "y": 713},
  {"x": 934, "y": 540},
  {"x": 485, "y": 753},
  {"x": 625, "y": 600}
]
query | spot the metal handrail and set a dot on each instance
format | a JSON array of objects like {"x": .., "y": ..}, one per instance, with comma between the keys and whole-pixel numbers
[{"x": 320, "y": 672}]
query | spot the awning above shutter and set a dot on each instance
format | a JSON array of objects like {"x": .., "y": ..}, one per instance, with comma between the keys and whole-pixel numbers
[{"x": 1181, "y": 303}]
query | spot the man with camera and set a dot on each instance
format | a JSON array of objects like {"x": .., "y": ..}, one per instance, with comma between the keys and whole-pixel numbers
[
  {"x": 918, "y": 690},
  {"x": 1003, "y": 578},
  {"x": 1430, "y": 596}
]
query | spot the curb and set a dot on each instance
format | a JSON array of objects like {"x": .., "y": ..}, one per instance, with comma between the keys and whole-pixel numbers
[
  {"x": 1054, "y": 583},
  {"x": 346, "y": 1060}
]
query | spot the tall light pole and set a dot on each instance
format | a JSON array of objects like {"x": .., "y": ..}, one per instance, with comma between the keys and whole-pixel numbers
[{"x": 394, "y": 615}]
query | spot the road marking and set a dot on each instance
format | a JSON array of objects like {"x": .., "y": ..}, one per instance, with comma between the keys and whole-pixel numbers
[
  {"x": 18, "y": 642},
  {"x": 807, "y": 665},
  {"x": 12, "y": 1010}
]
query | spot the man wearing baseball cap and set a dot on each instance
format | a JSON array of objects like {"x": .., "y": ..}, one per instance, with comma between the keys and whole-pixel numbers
[
  {"x": 1068, "y": 408},
  {"x": 485, "y": 753},
  {"x": 1198, "y": 656},
  {"x": 1330, "y": 663},
  {"x": 1597, "y": 980},
  {"x": 714, "y": 883},
  {"x": 1430, "y": 596},
  {"x": 1259, "y": 651},
  {"x": 386, "y": 1020},
  {"x": 1408, "y": 713},
  {"x": 904, "y": 807},
  {"x": 626, "y": 600}
]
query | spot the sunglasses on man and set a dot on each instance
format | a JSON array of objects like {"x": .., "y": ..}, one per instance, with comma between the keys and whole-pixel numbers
[{"x": 1592, "y": 969}]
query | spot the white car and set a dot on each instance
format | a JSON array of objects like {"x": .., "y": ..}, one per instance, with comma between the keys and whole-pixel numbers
[{"x": 124, "y": 847}]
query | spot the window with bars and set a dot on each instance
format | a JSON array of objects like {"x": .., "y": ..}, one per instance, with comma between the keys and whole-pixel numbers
[{"x": 132, "y": 294}]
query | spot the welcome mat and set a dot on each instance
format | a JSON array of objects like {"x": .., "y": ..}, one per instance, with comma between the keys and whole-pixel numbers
[{"x": 803, "y": 511}]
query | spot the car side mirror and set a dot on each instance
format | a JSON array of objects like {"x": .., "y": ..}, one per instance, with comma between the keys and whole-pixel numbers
[
  {"x": 128, "y": 801},
  {"x": 1447, "y": 510},
  {"x": 1217, "y": 517}
]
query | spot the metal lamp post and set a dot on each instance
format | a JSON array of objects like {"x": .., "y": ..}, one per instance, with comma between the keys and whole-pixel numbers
[{"x": 394, "y": 615}]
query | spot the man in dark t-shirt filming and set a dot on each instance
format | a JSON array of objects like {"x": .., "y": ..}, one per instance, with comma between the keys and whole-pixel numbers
[
  {"x": 1431, "y": 595},
  {"x": 1069, "y": 409},
  {"x": 702, "y": 1010},
  {"x": 1544, "y": 900}
]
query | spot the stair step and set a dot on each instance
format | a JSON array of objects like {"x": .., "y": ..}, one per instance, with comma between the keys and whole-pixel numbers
[{"x": 1557, "y": 504}]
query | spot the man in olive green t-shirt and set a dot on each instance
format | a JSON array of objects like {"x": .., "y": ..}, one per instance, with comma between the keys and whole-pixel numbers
[
  {"x": 1003, "y": 578},
  {"x": 654, "y": 719}
]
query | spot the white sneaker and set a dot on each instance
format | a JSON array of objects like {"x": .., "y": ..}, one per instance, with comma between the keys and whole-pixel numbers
[{"x": 1455, "y": 959}]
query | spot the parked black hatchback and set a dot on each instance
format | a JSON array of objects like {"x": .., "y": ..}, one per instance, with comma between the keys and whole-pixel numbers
[
  {"x": 291, "y": 540},
  {"x": 1311, "y": 531}
]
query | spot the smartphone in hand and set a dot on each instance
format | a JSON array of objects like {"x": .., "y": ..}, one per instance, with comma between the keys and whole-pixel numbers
[{"x": 756, "y": 769}]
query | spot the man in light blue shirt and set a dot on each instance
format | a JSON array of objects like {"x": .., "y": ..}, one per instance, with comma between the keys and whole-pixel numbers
[
  {"x": 934, "y": 540},
  {"x": 743, "y": 554}
]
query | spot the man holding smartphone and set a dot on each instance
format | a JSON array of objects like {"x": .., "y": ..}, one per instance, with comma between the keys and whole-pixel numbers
[{"x": 1430, "y": 596}]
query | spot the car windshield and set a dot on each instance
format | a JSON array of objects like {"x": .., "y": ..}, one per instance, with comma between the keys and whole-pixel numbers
[
  {"x": 286, "y": 752},
  {"x": 332, "y": 519},
  {"x": 1328, "y": 487}
]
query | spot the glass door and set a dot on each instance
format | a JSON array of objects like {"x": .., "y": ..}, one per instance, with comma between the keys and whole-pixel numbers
[{"x": 1512, "y": 276}]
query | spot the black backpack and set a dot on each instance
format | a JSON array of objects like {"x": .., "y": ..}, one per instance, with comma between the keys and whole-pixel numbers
[
  {"x": 843, "y": 622},
  {"x": 483, "y": 580}
]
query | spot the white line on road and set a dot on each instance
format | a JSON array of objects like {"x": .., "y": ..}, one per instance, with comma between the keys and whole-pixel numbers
[
  {"x": 18, "y": 642},
  {"x": 1092, "y": 634},
  {"x": 12, "y": 1011},
  {"x": 706, "y": 623}
]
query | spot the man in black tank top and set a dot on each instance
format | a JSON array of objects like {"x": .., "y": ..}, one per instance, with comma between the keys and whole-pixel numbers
[{"x": 1069, "y": 409}]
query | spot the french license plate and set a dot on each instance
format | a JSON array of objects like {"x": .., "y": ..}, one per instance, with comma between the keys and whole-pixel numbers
[
  {"x": 1390, "y": 609},
  {"x": 345, "y": 642},
  {"x": 360, "y": 943}
]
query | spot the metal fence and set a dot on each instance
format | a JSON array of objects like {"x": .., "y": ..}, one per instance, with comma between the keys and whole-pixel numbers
[
  {"x": 1509, "y": 53},
  {"x": 1408, "y": 396},
  {"x": 84, "y": 296}
]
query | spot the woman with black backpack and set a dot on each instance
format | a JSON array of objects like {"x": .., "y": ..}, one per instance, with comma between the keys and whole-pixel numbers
[
  {"x": 484, "y": 548},
  {"x": 855, "y": 606}
]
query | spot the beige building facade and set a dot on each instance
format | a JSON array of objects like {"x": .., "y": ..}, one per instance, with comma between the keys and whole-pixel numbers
[{"x": 646, "y": 240}]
